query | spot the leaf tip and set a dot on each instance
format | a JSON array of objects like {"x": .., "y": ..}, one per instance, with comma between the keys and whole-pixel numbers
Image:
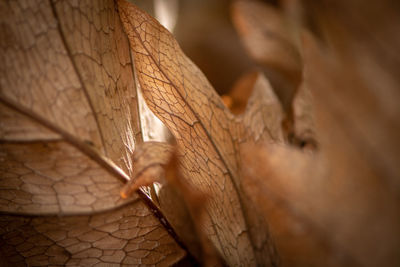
[{"x": 126, "y": 191}]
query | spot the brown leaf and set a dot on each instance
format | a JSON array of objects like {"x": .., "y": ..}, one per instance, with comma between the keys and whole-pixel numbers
[
  {"x": 207, "y": 134},
  {"x": 273, "y": 177},
  {"x": 150, "y": 158},
  {"x": 128, "y": 235},
  {"x": 338, "y": 203},
  {"x": 267, "y": 36},
  {"x": 170, "y": 69},
  {"x": 176, "y": 211},
  {"x": 262, "y": 119},
  {"x": 48, "y": 177},
  {"x": 183, "y": 206},
  {"x": 239, "y": 95},
  {"x": 256, "y": 107},
  {"x": 195, "y": 204},
  {"x": 69, "y": 124},
  {"x": 356, "y": 57},
  {"x": 350, "y": 112}
]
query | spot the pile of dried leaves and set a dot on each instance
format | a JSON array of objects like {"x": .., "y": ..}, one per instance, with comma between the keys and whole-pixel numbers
[{"x": 297, "y": 165}]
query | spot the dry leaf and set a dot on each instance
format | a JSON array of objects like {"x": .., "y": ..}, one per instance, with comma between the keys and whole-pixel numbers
[
  {"x": 207, "y": 135},
  {"x": 362, "y": 54},
  {"x": 195, "y": 203},
  {"x": 150, "y": 158},
  {"x": 266, "y": 34},
  {"x": 339, "y": 205},
  {"x": 239, "y": 95},
  {"x": 127, "y": 235},
  {"x": 183, "y": 206},
  {"x": 168, "y": 101},
  {"x": 269, "y": 33},
  {"x": 262, "y": 119},
  {"x": 273, "y": 176},
  {"x": 69, "y": 124}
]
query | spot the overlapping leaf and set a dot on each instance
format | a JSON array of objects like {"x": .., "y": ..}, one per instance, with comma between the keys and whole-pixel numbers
[
  {"x": 207, "y": 134},
  {"x": 69, "y": 124},
  {"x": 268, "y": 39},
  {"x": 269, "y": 34},
  {"x": 334, "y": 206}
]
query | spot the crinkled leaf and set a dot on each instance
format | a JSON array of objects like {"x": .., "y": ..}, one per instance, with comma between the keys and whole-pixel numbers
[
  {"x": 129, "y": 235},
  {"x": 207, "y": 134},
  {"x": 69, "y": 124}
]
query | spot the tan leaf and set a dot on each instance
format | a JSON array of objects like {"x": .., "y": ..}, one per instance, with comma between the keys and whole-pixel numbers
[
  {"x": 207, "y": 134},
  {"x": 356, "y": 58},
  {"x": 183, "y": 206},
  {"x": 127, "y": 235},
  {"x": 262, "y": 119},
  {"x": 273, "y": 177},
  {"x": 256, "y": 107},
  {"x": 239, "y": 95},
  {"x": 267, "y": 36},
  {"x": 195, "y": 203},
  {"x": 69, "y": 124},
  {"x": 150, "y": 158},
  {"x": 338, "y": 203},
  {"x": 359, "y": 114}
]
